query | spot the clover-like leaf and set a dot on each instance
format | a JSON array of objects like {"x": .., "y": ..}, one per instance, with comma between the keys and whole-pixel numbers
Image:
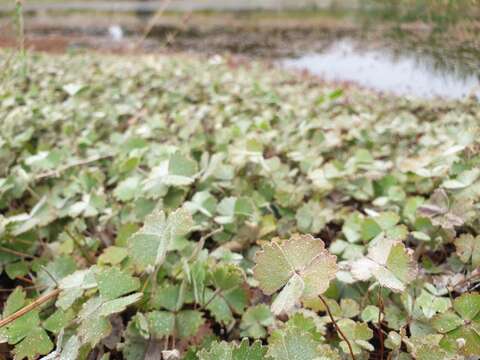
[
  {"x": 127, "y": 189},
  {"x": 389, "y": 262},
  {"x": 229, "y": 296},
  {"x": 444, "y": 211},
  {"x": 178, "y": 170},
  {"x": 430, "y": 305},
  {"x": 113, "y": 283},
  {"x": 468, "y": 249},
  {"x": 357, "y": 334},
  {"x": 228, "y": 351},
  {"x": 73, "y": 286},
  {"x": 93, "y": 330},
  {"x": 148, "y": 246},
  {"x": 301, "y": 266},
  {"x": 293, "y": 344},
  {"x": 255, "y": 321},
  {"x": 428, "y": 348},
  {"x": 461, "y": 326},
  {"x": 37, "y": 342},
  {"x": 312, "y": 217},
  {"x": 183, "y": 324},
  {"x": 25, "y": 332}
]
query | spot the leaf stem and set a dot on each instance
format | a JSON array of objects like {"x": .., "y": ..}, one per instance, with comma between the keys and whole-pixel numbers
[
  {"x": 339, "y": 331},
  {"x": 82, "y": 249},
  {"x": 380, "y": 313},
  {"x": 41, "y": 300},
  {"x": 16, "y": 253},
  {"x": 214, "y": 295},
  {"x": 201, "y": 242}
]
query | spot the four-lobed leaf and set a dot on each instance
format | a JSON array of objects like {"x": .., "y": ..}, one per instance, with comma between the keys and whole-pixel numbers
[
  {"x": 468, "y": 249},
  {"x": 148, "y": 246},
  {"x": 389, "y": 262},
  {"x": 461, "y": 326},
  {"x": 300, "y": 266}
]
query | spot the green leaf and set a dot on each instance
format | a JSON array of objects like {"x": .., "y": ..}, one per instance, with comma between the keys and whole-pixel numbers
[
  {"x": 178, "y": 170},
  {"x": 161, "y": 323},
  {"x": 464, "y": 340},
  {"x": 289, "y": 296},
  {"x": 36, "y": 343},
  {"x": 444, "y": 212},
  {"x": 58, "y": 269},
  {"x": 217, "y": 351},
  {"x": 447, "y": 322},
  {"x": 93, "y": 329},
  {"x": 389, "y": 262},
  {"x": 292, "y": 344},
  {"x": 113, "y": 255},
  {"x": 184, "y": 324},
  {"x": 202, "y": 202},
  {"x": 167, "y": 297},
  {"x": 370, "y": 314},
  {"x": 118, "y": 305},
  {"x": 58, "y": 320},
  {"x": 21, "y": 327},
  {"x": 357, "y": 334},
  {"x": 218, "y": 307},
  {"x": 370, "y": 229},
  {"x": 188, "y": 322},
  {"x": 148, "y": 247},
  {"x": 113, "y": 283},
  {"x": 71, "y": 348},
  {"x": 127, "y": 189},
  {"x": 461, "y": 328},
  {"x": 301, "y": 255},
  {"x": 15, "y": 301},
  {"x": 229, "y": 351},
  {"x": 229, "y": 295},
  {"x": 249, "y": 352},
  {"x": 468, "y": 249},
  {"x": 467, "y": 306},
  {"x": 431, "y": 305},
  {"x": 431, "y": 352},
  {"x": 98, "y": 306},
  {"x": 310, "y": 322},
  {"x": 352, "y": 227},
  {"x": 255, "y": 321},
  {"x": 16, "y": 269},
  {"x": 74, "y": 285},
  {"x": 312, "y": 217}
]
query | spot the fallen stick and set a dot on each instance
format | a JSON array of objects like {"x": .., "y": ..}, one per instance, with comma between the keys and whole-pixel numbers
[
  {"x": 58, "y": 172},
  {"x": 41, "y": 300}
]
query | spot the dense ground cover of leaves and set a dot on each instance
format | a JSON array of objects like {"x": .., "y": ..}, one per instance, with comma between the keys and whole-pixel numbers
[{"x": 191, "y": 208}]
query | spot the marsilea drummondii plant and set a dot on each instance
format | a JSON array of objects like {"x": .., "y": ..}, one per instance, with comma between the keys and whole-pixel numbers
[{"x": 178, "y": 208}]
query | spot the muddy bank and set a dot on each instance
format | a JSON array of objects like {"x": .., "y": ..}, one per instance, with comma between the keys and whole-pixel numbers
[
  {"x": 448, "y": 59},
  {"x": 267, "y": 35}
]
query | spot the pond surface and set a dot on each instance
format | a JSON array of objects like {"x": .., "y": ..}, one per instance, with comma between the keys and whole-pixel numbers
[{"x": 385, "y": 70}]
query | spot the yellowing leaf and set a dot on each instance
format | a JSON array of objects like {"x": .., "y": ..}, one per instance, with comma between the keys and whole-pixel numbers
[
  {"x": 301, "y": 265},
  {"x": 468, "y": 249}
]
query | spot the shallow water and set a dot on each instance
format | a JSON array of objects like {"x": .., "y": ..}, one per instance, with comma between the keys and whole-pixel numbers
[{"x": 383, "y": 70}]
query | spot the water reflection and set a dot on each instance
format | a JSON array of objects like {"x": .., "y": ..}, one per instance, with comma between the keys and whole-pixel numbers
[{"x": 384, "y": 70}]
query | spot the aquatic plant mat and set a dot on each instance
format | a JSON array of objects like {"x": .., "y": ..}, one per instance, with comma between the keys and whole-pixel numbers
[{"x": 199, "y": 208}]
